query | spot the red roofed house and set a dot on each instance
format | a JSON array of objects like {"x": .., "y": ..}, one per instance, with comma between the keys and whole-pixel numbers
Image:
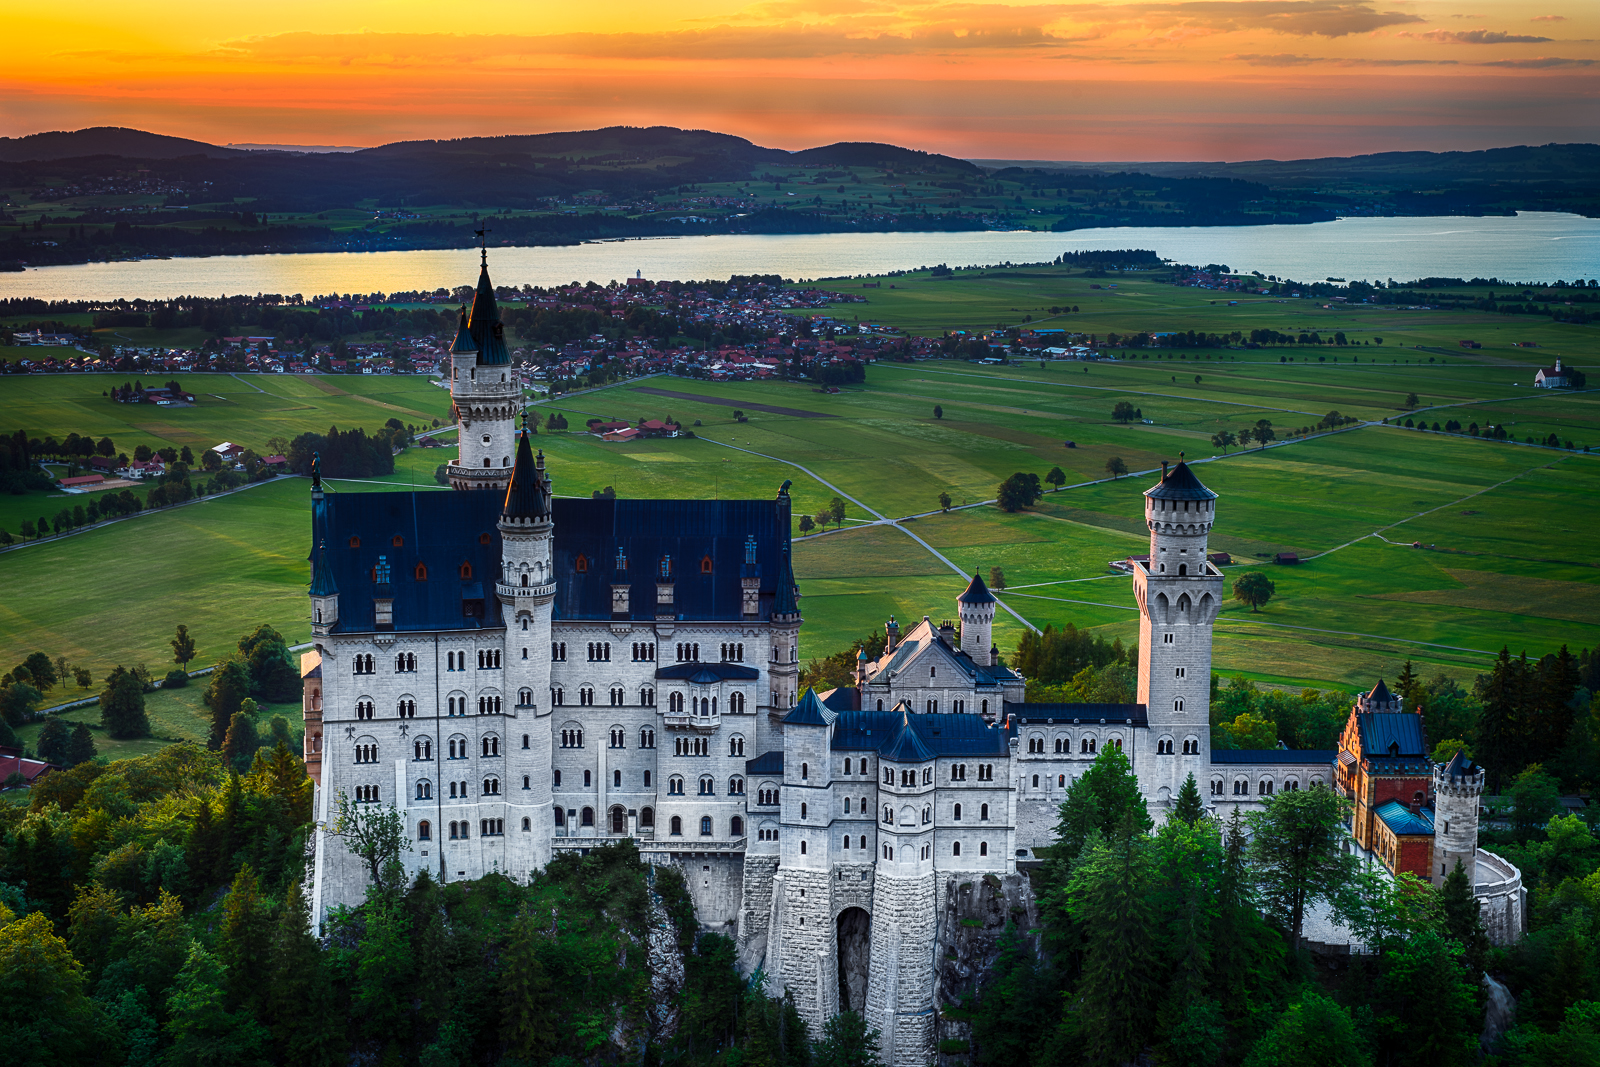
[
  {"x": 82, "y": 481},
  {"x": 13, "y": 762}
]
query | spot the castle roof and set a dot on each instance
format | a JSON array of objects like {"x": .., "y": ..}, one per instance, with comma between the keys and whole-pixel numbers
[
  {"x": 528, "y": 496},
  {"x": 977, "y": 592},
  {"x": 907, "y": 745},
  {"x": 1460, "y": 767},
  {"x": 1050, "y": 714},
  {"x": 1288, "y": 757},
  {"x": 942, "y": 735},
  {"x": 1392, "y": 734},
  {"x": 704, "y": 673},
  {"x": 456, "y": 538},
  {"x": 810, "y": 712},
  {"x": 463, "y": 342},
  {"x": 484, "y": 324},
  {"x": 1402, "y": 821},
  {"x": 785, "y": 600},
  {"x": 926, "y": 635},
  {"x": 1380, "y": 692},
  {"x": 1179, "y": 483},
  {"x": 322, "y": 583},
  {"x": 766, "y": 763}
]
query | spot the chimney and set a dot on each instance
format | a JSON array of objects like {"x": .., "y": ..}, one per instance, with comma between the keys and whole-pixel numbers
[
  {"x": 947, "y": 631},
  {"x": 891, "y": 634}
]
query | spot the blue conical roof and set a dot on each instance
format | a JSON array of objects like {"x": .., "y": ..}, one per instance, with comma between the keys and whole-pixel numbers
[
  {"x": 907, "y": 745},
  {"x": 322, "y": 574},
  {"x": 977, "y": 592},
  {"x": 463, "y": 342},
  {"x": 484, "y": 324},
  {"x": 811, "y": 711},
  {"x": 1179, "y": 484},
  {"x": 525, "y": 496}
]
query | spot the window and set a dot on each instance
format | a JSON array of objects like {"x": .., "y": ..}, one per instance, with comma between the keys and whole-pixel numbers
[
  {"x": 527, "y": 824},
  {"x": 1177, "y": 705},
  {"x": 983, "y": 813},
  {"x": 424, "y": 790},
  {"x": 736, "y": 702},
  {"x": 491, "y": 787},
  {"x": 802, "y": 811},
  {"x": 705, "y": 826},
  {"x": 366, "y": 794},
  {"x": 1035, "y": 745},
  {"x": 424, "y": 831},
  {"x": 675, "y": 703},
  {"x": 1062, "y": 745},
  {"x": 955, "y": 813},
  {"x": 616, "y": 696},
  {"x": 647, "y": 738},
  {"x": 422, "y": 749},
  {"x": 355, "y": 542},
  {"x": 847, "y": 766},
  {"x": 617, "y": 736},
  {"x": 619, "y": 820},
  {"x": 587, "y": 818},
  {"x": 1087, "y": 745},
  {"x": 1036, "y": 781},
  {"x": 955, "y": 848},
  {"x": 367, "y": 753},
  {"x": 805, "y": 771},
  {"x": 561, "y": 817},
  {"x": 1164, "y": 747},
  {"x": 525, "y": 784},
  {"x": 1167, "y": 639},
  {"x": 558, "y": 652},
  {"x": 708, "y": 785},
  {"x": 647, "y": 817},
  {"x": 558, "y": 696},
  {"x": 616, "y": 779},
  {"x": 492, "y": 827},
  {"x": 736, "y": 786},
  {"x": 587, "y": 782},
  {"x": 524, "y": 698},
  {"x": 983, "y": 848},
  {"x": 490, "y": 746},
  {"x": 647, "y": 697},
  {"x": 581, "y": 564},
  {"x": 675, "y": 786},
  {"x": 466, "y": 568},
  {"x": 1178, "y": 672},
  {"x": 572, "y": 737},
  {"x": 676, "y": 826},
  {"x": 524, "y": 740},
  {"x": 736, "y": 745},
  {"x": 405, "y": 662},
  {"x": 958, "y": 772},
  {"x": 364, "y": 709}
]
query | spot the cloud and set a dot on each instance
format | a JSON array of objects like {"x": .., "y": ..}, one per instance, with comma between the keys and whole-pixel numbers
[
  {"x": 1475, "y": 37},
  {"x": 1541, "y": 63},
  {"x": 1304, "y": 18},
  {"x": 1280, "y": 59},
  {"x": 1548, "y": 18},
  {"x": 1290, "y": 59}
]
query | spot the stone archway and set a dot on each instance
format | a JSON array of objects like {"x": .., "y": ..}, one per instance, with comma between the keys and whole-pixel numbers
[{"x": 854, "y": 929}]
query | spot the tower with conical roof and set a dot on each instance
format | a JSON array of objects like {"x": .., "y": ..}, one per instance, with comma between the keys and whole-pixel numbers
[
  {"x": 783, "y": 667},
  {"x": 976, "y": 607},
  {"x": 526, "y": 591},
  {"x": 484, "y": 393},
  {"x": 1179, "y": 592}
]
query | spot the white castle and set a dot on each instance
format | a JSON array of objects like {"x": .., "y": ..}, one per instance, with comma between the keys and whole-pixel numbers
[{"x": 519, "y": 675}]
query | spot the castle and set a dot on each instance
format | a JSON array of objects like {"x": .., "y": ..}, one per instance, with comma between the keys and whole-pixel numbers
[{"x": 520, "y": 674}]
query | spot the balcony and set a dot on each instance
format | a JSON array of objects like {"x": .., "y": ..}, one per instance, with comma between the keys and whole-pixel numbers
[
  {"x": 512, "y": 593},
  {"x": 688, "y": 720}
]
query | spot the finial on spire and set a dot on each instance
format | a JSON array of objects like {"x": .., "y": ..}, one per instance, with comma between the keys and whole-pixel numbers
[
  {"x": 1180, "y": 457},
  {"x": 483, "y": 244},
  {"x": 316, "y": 472}
]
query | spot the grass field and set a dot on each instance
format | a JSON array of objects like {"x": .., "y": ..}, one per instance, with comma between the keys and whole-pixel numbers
[{"x": 1510, "y": 545}]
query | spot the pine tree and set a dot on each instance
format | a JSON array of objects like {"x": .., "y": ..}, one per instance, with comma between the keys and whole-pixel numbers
[
  {"x": 847, "y": 1042},
  {"x": 243, "y": 939},
  {"x": 297, "y": 978},
  {"x": 122, "y": 705},
  {"x": 1463, "y": 921},
  {"x": 1008, "y": 1024},
  {"x": 1190, "y": 808},
  {"x": 1497, "y": 726},
  {"x": 80, "y": 748},
  {"x": 54, "y": 738},
  {"x": 240, "y": 745},
  {"x": 1409, "y": 686},
  {"x": 230, "y": 686},
  {"x": 527, "y": 1025},
  {"x": 182, "y": 648},
  {"x": 1110, "y": 899},
  {"x": 203, "y": 1031}
]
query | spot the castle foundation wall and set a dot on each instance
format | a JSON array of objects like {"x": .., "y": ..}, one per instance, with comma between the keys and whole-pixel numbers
[{"x": 900, "y": 983}]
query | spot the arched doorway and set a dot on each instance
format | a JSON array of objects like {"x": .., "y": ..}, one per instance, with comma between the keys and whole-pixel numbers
[{"x": 854, "y": 929}]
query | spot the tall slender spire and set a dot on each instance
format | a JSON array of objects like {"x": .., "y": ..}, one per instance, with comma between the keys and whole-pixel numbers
[
  {"x": 527, "y": 497},
  {"x": 484, "y": 320},
  {"x": 784, "y": 601},
  {"x": 322, "y": 583}
]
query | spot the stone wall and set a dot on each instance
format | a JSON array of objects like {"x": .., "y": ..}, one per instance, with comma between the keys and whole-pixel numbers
[
  {"x": 973, "y": 912},
  {"x": 900, "y": 987},
  {"x": 755, "y": 911}
]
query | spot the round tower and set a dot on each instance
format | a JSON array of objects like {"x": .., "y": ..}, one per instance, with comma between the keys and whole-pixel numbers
[
  {"x": 1179, "y": 593},
  {"x": 485, "y": 393},
  {"x": 976, "y": 608},
  {"x": 1457, "y": 789},
  {"x": 526, "y": 591}
]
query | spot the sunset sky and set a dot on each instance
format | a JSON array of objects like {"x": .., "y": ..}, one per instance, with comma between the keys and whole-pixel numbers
[{"x": 1130, "y": 80}]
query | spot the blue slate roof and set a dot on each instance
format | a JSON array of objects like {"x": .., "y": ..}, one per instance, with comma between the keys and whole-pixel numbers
[
  {"x": 1402, "y": 820},
  {"x": 704, "y": 673},
  {"x": 1392, "y": 733},
  {"x": 484, "y": 323},
  {"x": 766, "y": 763},
  {"x": 943, "y": 734},
  {"x": 1132, "y": 714},
  {"x": 996, "y": 674},
  {"x": 976, "y": 592},
  {"x": 1297, "y": 756},
  {"x": 1179, "y": 484},
  {"x": 322, "y": 583},
  {"x": 444, "y": 531},
  {"x": 810, "y": 712},
  {"x": 907, "y": 745}
]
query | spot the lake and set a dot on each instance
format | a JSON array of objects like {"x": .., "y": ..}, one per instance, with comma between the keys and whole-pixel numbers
[{"x": 1530, "y": 247}]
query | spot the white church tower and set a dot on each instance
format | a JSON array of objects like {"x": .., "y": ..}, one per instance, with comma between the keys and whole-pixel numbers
[
  {"x": 1179, "y": 593},
  {"x": 485, "y": 393}
]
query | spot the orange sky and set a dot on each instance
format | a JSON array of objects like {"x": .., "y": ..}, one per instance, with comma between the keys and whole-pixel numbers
[{"x": 1116, "y": 80}]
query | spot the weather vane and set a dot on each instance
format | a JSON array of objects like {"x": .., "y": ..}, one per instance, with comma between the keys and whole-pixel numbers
[{"x": 483, "y": 244}]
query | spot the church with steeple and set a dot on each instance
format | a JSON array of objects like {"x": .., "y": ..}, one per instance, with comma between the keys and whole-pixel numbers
[{"x": 516, "y": 673}]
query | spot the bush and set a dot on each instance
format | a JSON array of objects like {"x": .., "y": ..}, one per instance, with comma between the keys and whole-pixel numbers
[{"x": 175, "y": 679}]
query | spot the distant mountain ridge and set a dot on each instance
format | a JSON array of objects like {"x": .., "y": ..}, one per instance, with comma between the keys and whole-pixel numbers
[{"x": 105, "y": 141}]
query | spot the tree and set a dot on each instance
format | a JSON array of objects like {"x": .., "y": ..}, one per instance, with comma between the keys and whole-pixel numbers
[
  {"x": 182, "y": 647},
  {"x": 1410, "y": 402},
  {"x": 45, "y": 1016},
  {"x": 240, "y": 745},
  {"x": 807, "y": 524},
  {"x": 1057, "y": 478},
  {"x": 1116, "y": 467},
  {"x": 122, "y": 705},
  {"x": 274, "y": 675},
  {"x": 846, "y": 1042},
  {"x": 944, "y": 501},
  {"x": 1462, "y": 919},
  {"x": 1105, "y": 800},
  {"x": 1189, "y": 807},
  {"x": 82, "y": 676},
  {"x": 244, "y": 938},
  {"x": 1313, "y": 1032},
  {"x": 53, "y": 739},
  {"x": 938, "y": 412},
  {"x": 230, "y": 685},
  {"x": 836, "y": 511},
  {"x": 43, "y": 670},
  {"x": 997, "y": 578},
  {"x": 1222, "y": 439},
  {"x": 824, "y": 517},
  {"x": 80, "y": 748},
  {"x": 1253, "y": 588},
  {"x": 1264, "y": 433},
  {"x": 1018, "y": 491},
  {"x": 297, "y": 976},
  {"x": 1430, "y": 1013},
  {"x": 1110, "y": 899},
  {"x": 1295, "y": 852},
  {"x": 528, "y": 1026},
  {"x": 375, "y": 833},
  {"x": 203, "y": 1031},
  {"x": 1124, "y": 412}
]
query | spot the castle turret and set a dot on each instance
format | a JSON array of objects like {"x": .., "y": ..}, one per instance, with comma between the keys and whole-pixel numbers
[
  {"x": 526, "y": 591},
  {"x": 784, "y": 665},
  {"x": 1179, "y": 593},
  {"x": 484, "y": 392},
  {"x": 1457, "y": 789},
  {"x": 976, "y": 607}
]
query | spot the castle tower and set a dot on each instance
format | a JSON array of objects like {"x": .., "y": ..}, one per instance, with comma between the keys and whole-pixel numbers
[
  {"x": 976, "y": 608},
  {"x": 485, "y": 394},
  {"x": 904, "y": 906},
  {"x": 1457, "y": 789},
  {"x": 526, "y": 591},
  {"x": 802, "y": 914},
  {"x": 1179, "y": 593},
  {"x": 784, "y": 663}
]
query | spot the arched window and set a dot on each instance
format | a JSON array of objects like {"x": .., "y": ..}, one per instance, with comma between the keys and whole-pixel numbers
[
  {"x": 805, "y": 771},
  {"x": 705, "y": 826},
  {"x": 736, "y": 827},
  {"x": 802, "y": 848},
  {"x": 676, "y": 826},
  {"x": 736, "y": 786},
  {"x": 527, "y": 824},
  {"x": 983, "y": 813},
  {"x": 424, "y": 790},
  {"x": 983, "y": 848},
  {"x": 619, "y": 819},
  {"x": 956, "y": 813},
  {"x": 675, "y": 786},
  {"x": 647, "y": 818},
  {"x": 587, "y": 818},
  {"x": 616, "y": 779},
  {"x": 424, "y": 831},
  {"x": 466, "y": 569},
  {"x": 955, "y": 848},
  {"x": 647, "y": 738}
]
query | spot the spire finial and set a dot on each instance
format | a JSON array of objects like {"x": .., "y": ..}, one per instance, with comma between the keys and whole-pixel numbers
[
  {"x": 1180, "y": 457},
  {"x": 316, "y": 472},
  {"x": 483, "y": 244}
]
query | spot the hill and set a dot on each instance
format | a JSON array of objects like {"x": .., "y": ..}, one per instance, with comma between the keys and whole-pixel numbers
[{"x": 104, "y": 141}]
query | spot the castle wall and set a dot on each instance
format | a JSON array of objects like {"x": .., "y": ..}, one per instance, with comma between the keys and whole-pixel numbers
[{"x": 900, "y": 985}]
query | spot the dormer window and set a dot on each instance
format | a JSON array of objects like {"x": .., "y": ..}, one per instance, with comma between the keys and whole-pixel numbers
[
  {"x": 466, "y": 570},
  {"x": 399, "y": 541},
  {"x": 422, "y": 572},
  {"x": 705, "y": 565},
  {"x": 750, "y": 550},
  {"x": 581, "y": 564},
  {"x": 355, "y": 542},
  {"x": 380, "y": 573},
  {"x": 483, "y": 539},
  {"x": 666, "y": 568},
  {"x": 622, "y": 559}
]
